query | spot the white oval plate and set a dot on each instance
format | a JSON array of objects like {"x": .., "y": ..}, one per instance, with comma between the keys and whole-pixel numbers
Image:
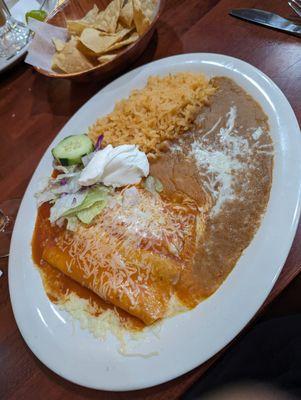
[{"x": 189, "y": 339}]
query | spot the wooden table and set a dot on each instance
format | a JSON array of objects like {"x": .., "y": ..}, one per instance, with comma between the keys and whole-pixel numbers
[{"x": 32, "y": 111}]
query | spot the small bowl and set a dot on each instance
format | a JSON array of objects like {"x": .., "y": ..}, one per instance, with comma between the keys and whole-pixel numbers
[{"x": 76, "y": 9}]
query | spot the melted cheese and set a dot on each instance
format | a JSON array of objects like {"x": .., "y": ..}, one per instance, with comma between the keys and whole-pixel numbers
[
  {"x": 221, "y": 155},
  {"x": 132, "y": 255}
]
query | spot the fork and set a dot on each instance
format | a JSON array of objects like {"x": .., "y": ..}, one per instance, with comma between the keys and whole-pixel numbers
[{"x": 296, "y": 6}]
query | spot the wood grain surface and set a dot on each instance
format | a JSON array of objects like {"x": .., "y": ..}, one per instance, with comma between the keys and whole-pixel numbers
[{"x": 34, "y": 108}]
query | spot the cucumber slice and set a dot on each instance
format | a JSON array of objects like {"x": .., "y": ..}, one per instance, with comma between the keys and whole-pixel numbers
[{"x": 71, "y": 149}]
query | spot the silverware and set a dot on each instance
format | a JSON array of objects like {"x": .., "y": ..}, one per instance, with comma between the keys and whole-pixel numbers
[
  {"x": 296, "y": 6},
  {"x": 266, "y": 18}
]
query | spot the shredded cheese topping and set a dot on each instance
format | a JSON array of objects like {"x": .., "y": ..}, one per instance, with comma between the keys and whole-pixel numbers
[
  {"x": 221, "y": 155},
  {"x": 115, "y": 254}
]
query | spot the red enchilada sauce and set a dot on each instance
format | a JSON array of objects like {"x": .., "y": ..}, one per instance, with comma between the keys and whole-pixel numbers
[{"x": 57, "y": 285}]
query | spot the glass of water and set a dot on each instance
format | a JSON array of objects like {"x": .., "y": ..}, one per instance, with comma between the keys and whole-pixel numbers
[
  {"x": 8, "y": 213},
  {"x": 14, "y": 35}
]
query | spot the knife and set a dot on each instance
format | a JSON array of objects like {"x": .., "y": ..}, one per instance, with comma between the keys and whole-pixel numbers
[{"x": 266, "y": 18}]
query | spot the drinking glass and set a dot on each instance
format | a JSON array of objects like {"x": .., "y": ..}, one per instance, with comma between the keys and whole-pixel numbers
[
  {"x": 14, "y": 35},
  {"x": 8, "y": 213}
]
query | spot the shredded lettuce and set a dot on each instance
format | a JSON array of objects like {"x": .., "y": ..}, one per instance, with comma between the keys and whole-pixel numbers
[
  {"x": 65, "y": 169},
  {"x": 72, "y": 223},
  {"x": 61, "y": 185},
  {"x": 88, "y": 214},
  {"x": 153, "y": 184},
  {"x": 95, "y": 194},
  {"x": 87, "y": 158},
  {"x": 65, "y": 204},
  {"x": 70, "y": 201},
  {"x": 83, "y": 206},
  {"x": 158, "y": 185}
]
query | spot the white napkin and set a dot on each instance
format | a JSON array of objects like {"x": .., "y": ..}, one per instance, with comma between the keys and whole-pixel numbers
[{"x": 41, "y": 48}]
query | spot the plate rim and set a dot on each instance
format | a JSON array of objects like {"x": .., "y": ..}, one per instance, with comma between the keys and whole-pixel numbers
[{"x": 294, "y": 223}]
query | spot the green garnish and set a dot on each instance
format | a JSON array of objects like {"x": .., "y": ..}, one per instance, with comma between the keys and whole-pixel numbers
[
  {"x": 70, "y": 150},
  {"x": 40, "y": 15},
  {"x": 93, "y": 204},
  {"x": 87, "y": 215},
  {"x": 153, "y": 184}
]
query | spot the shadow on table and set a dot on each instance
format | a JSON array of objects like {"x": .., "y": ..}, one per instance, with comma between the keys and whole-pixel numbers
[{"x": 262, "y": 364}]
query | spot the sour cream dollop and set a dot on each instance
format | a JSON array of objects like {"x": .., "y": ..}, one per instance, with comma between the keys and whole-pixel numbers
[{"x": 115, "y": 166}]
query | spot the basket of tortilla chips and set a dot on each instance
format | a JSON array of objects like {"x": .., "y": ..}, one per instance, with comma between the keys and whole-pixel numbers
[{"x": 103, "y": 37}]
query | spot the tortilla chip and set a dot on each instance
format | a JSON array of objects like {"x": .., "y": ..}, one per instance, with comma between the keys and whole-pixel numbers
[
  {"x": 119, "y": 27},
  {"x": 75, "y": 27},
  {"x": 141, "y": 20},
  {"x": 125, "y": 42},
  {"x": 127, "y": 14},
  {"x": 148, "y": 7},
  {"x": 98, "y": 42},
  {"x": 107, "y": 20},
  {"x": 58, "y": 44},
  {"x": 106, "y": 58},
  {"x": 70, "y": 59},
  {"x": 91, "y": 15}
]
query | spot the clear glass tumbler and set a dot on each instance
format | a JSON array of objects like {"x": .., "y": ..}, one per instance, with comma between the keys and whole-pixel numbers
[
  {"x": 8, "y": 213},
  {"x": 14, "y": 35}
]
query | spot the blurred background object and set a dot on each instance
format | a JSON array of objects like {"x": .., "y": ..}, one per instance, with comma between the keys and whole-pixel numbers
[
  {"x": 14, "y": 35},
  {"x": 8, "y": 214},
  {"x": 249, "y": 391}
]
